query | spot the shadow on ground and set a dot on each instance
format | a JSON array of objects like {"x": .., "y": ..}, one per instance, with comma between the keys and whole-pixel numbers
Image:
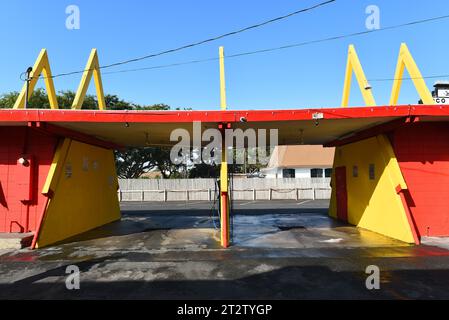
[
  {"x": 282, "y": 250},
  {"x": 294, "y": 282}
]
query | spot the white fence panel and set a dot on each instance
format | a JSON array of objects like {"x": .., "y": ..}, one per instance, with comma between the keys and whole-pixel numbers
[{"x": 242, "y": 189}]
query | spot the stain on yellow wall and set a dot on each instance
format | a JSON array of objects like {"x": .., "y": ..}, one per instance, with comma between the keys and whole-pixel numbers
[
  {"x": 85, "y": 194},
  {"x": 373, "y": 204}
]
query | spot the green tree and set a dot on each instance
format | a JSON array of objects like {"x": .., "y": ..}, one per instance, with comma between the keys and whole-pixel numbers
[
  {"x": 133, "y": 162},
  {"x": 39, "y": 100},
  {"x": 203, "y": 170},
  {"x": 159, "y": 106},
  {"x": 7, "y": 100},
  {"x": 113, "y": 102}
]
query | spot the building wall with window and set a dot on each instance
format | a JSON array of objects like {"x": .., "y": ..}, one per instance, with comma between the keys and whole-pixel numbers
[
  {"x": 302, "y": 161},
  {"x": 298, "y": 173}
]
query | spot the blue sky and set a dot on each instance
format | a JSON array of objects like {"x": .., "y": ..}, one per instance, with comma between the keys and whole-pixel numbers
[{"x": 310, "y": 76}]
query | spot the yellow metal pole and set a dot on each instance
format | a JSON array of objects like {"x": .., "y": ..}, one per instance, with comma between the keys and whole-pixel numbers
[
  {"x": 348, "y": 81},
  {"x": 92, "y": 68},
  {"x": 353, "y": 64},
  {"x": 406, "y": 60},
  {"x": 222, "y": 80},
  {"x": 41, "y": 66},
  {"x": 224, "y": 207}
]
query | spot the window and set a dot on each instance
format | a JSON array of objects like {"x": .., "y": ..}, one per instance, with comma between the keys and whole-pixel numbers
[
  {"x": 328, "y": 173},
  {"x": 316, "y": 173},
  {"x": 372, "y": 175},
  {"x": 288, "y": 173},
  {"x": 355, "y": 171}
]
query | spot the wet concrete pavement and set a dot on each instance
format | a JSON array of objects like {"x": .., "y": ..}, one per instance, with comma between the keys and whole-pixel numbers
[{"x": 282, "y": 250}]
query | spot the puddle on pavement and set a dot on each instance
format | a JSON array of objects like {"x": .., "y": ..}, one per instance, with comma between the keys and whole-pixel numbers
[{"x": 169, "y": 233}]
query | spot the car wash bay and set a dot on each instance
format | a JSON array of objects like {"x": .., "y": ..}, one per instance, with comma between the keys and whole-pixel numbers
[
  {"x": 58, "y": 175},
  {"x": 172, "y": 251}
]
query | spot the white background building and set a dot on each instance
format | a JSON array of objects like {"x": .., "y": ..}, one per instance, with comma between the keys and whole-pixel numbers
[{"x": 303, "y": 161}]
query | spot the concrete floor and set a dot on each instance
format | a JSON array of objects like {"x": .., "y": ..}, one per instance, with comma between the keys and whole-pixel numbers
[{"x": 282, "y": 250}]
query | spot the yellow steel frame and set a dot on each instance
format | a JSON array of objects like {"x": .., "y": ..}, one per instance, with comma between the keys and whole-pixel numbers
[
  {"x": 41, "y": 66},
  {"x": 56, "y": 167},
  {"x": 92, "y": 67},
  {"x": 353, "y": 64},
  {"x": 224, "y": 210},
  {"x": 406, "y": 60}
]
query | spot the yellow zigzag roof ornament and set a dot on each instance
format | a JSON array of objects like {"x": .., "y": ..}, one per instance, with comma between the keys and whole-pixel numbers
[
  {"x": 92, "y": 67},
  {"x": 41, "y": 65},
  {"x": 353, "y": 64},
  {"x": 405, "y": 60}
]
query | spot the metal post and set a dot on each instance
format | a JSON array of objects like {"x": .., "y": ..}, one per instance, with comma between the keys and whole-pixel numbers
[
  {"x": 28, "y": 72},
  {"x": 224, "y": 208},
  {"x": 254, "y": 194}
]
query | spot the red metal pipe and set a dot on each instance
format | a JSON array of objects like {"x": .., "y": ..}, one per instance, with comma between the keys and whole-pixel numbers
[{"x": 224, "y": 220}]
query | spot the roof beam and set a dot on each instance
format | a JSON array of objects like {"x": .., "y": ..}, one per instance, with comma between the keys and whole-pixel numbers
[
  {"x": 52, "y": 129},
  {"x": 372, "y": 132}
]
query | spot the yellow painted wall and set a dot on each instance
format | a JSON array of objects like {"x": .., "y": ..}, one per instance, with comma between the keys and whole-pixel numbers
[
  {"x": 373, "y": 204},
  {"x": 85, "y": 193}
]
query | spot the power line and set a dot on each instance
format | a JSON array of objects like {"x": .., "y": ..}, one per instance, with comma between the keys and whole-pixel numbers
[
  {"x": 284, "y": 47},
  {"x": 294, "y": 45},
  {"x": 350, "y": 35},
  {"x": 163, "y": 66},
  {"x": 409, "y": 78},
  {"x": 191, "y": 45}
]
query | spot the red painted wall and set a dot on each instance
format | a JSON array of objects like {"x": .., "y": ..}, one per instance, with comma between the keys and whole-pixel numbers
[
  {"x": 15, "y": 212},
  {"x": 422, "y": 150}
]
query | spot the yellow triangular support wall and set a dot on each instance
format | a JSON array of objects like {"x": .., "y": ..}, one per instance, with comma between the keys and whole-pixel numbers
[
  {"x": 92, "y": 67},
  {"x": 353, "y": 64},
  {"x": 41, "y": 66},
  {"x": 406, "y": 60}
]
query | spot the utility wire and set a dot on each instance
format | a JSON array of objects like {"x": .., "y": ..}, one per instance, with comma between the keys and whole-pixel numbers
[
  {"x": 223, "y": 35},
  {"x": 284, "y": 47},
  {"x": 409, "y": 78},
  {"x": 294, "y": 45},
  {"x": 191, "y": 45},
  {"x": 161, "y": 66}
]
